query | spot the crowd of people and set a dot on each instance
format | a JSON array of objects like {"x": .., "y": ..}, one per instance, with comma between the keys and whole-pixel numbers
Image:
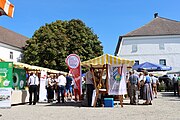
[
  {"x": 141, "y": 86},
  {"x": 61, "y": 88}
]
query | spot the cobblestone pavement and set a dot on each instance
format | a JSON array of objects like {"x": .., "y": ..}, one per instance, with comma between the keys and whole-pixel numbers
[{"x": 165, "y": 107}]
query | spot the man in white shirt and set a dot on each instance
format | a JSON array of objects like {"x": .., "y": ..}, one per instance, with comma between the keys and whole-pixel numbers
[
  {"x": 90, "y": 86},
  {"x": 33, "y": 83},
  {"x": 61, "y": 82}
]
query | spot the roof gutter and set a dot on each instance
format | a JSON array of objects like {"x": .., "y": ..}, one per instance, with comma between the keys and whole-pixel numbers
[{"x": 118, "y": 46}]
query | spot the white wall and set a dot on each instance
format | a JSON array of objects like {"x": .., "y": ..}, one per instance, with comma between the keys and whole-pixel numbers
[
  {"x": 5, "y": 52},
  {"x": 148, "y": 49}
]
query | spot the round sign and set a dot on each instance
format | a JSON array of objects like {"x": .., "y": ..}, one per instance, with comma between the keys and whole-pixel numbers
[{"x": 73, "y": 61}]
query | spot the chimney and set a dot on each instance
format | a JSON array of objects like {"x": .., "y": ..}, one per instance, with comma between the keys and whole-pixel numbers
[{"x": 155, "y": 15}]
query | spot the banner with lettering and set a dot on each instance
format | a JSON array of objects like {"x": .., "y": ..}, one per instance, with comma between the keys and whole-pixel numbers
[
  {"x": 117, "y": 80},
  {"x": 73, "y": 62}
]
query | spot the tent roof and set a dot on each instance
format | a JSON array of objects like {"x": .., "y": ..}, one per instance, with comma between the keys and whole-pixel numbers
[
  {"x": 151, "y": 67},
  {"x": 32, "y": 68},
  {"x": 107, "y": 59}
]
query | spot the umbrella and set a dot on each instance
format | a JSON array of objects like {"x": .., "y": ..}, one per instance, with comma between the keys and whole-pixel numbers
[{"x": 151, "y": 67}]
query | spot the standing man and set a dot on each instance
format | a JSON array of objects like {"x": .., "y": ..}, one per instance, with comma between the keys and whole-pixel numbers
[
  {"x": 68, "y": 87},
  {"x": 90, "y": 86},
  {"x": 33, "y": 83},
  {"x": 61, "y": 83},
  {"x": 134, "y": 83},
  {"x": 175, "y": 84}
]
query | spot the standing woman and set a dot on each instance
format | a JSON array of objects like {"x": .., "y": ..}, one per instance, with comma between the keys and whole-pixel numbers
[
  {"x": 154, "y": 85},
  {"x": 147, "y": 94},
  {"x": 50, "y": 89},
  {"x": 141, "y": 79}
]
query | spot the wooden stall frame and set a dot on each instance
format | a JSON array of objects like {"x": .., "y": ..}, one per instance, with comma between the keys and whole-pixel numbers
[{"x": 106, "y": 82}]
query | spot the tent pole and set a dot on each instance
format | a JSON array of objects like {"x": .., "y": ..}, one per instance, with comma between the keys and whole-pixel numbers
[
  {"x": 121, "y": 100},
  {"x": 107, "y": 87},
  {"x": 95, "y": 87},
  {"x": 101, "y": 75},
  {"x": 93, "y": 77}
]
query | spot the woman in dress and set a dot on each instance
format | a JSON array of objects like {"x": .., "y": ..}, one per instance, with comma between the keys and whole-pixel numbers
[{"x": 147, "y": 94}]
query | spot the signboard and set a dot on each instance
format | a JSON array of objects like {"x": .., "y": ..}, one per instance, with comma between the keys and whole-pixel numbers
[
  {"x": 117, "y": 80},
  {"x": 6, "y": 69},
  {"x": 5, "y": 97},
  {"x": 19, "y": 78},
  {"x": 73, "y": 62}
]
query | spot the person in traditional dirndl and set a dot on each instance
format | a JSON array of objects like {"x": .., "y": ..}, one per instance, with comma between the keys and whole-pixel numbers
[{"x": 147, "y": 94}]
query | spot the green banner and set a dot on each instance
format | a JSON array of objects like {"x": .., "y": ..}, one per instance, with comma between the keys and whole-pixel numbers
[
  {"x": 19, "y": 78},
  {"x": 6, "y": 69}
]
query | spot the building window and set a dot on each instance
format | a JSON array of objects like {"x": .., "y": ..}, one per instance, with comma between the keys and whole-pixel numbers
[
  {"x": 11, "y": 55},
  {"x": 134, "y": 48},
  {"x": 20, "y": 58},
  {"x": 136, "y": 62},
  {"x": 162, "y": 61},
  {"x": 161, "y": 46}
]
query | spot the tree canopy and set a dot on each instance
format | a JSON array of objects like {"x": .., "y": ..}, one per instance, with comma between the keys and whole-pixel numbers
[{"x": 52, "y": 43}]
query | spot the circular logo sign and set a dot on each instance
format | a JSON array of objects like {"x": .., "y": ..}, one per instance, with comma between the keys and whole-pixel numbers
[{"x": 73, "y": 61}]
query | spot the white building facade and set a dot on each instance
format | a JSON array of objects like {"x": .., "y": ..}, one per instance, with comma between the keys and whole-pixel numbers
[
  {"x": 10, "y": 53},
  {"x": 153, "y": 44},
  {"x": 11, "y": 45}
]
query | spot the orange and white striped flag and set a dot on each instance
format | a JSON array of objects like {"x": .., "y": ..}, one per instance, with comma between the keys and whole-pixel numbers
[{"x": 6, "y": 8}]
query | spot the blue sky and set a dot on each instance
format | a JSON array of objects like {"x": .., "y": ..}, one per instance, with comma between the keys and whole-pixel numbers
[{"x": 109, "y": 19}]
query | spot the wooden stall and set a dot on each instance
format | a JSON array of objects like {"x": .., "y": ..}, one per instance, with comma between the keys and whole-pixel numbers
[{"x": 100, "y": 65}]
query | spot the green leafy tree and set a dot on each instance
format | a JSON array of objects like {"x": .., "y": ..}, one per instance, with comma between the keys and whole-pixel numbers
[{"x": 52, "y": 43}]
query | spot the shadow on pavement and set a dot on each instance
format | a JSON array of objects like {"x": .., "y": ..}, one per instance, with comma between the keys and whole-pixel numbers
[
  {"x": 168, "y": 94},
  {"x": 139, "y": 104},
  {"x": 72, "y": 104},
  {"x": 19, "y": 104},
  {"x": 178, "y": 100},
  {"x": 171, "y": 96}
]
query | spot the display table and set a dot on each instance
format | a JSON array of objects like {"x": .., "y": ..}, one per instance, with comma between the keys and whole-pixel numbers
[{"x": 19, "y": 96}]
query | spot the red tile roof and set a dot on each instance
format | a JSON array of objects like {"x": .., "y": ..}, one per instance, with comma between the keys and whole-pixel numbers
[
  {"x": 11, "y": 38},
  {"x": 158, "y": 26}
]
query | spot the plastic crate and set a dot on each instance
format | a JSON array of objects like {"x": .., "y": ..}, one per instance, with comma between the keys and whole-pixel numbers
[{"x": 108, "y": 102}]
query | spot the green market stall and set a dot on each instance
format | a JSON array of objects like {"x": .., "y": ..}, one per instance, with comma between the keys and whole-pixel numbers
[{"x": 13, "y": 77}]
